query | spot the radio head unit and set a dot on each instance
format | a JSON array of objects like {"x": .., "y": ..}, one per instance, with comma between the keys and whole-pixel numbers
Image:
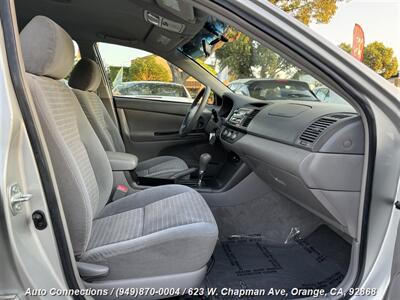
[{"x": 241, "y": 117}]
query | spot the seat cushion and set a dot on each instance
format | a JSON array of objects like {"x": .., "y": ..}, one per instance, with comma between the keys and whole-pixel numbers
[
  {"x": 160, "y": 167},
  {"x": 159, "y": 231}
]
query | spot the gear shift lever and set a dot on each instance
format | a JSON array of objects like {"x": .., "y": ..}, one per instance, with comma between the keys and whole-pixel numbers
[{"x": 204, "y": 160}]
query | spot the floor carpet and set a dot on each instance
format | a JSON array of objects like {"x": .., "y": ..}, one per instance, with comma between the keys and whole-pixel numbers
[{"x": 317, "y": 261}]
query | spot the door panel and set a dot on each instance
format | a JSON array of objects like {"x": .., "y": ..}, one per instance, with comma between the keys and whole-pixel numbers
[
  {"x": 152, "y": 97},
  {"x": 151, "y": 105},
  {"x": 150, "y": 128},
  {"x": 394, "y": 288},
  {"x": 147, "y": 126}
]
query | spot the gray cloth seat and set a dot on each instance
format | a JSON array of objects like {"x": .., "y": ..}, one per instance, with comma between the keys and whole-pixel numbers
[
  {"x": 85, "y": 79},
  {"x": 159, "y": 237},
  {"x": 163, "y": 230}
]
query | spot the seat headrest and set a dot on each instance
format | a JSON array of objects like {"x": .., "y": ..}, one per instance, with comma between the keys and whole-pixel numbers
[
  {"x": 46, "y": 48},
  {"x": 86, "y": 75}
]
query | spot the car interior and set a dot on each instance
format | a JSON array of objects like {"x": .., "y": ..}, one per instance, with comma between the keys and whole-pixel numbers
[{"x": 225, "y": 191}]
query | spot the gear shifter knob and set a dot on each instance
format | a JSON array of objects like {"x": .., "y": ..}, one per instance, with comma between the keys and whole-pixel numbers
[{"x": 205, "y": 158}]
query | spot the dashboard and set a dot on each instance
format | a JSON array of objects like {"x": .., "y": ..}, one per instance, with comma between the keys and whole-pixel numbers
[{"x": 311, "y": 152}]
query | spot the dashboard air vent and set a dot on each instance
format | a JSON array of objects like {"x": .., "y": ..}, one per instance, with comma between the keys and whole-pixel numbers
[
  {"x": 250, "y": 117},
  {"x": 340, "y": 116},
  {"x": 315, "y": 130},
  {"x": 258, "y": 104}
]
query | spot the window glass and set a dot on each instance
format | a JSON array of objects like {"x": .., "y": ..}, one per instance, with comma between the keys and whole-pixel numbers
[
  {"x": 77, "y": 57},
  {"x": 321, "y": 93},
  {"x": 328, "y": 96},
  {"x": 280, "y": 89},
  {"x": 248, "y": 67},
  {"x": 140, "y": 74}
]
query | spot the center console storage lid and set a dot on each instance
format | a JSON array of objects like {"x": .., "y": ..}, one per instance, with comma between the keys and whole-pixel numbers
[{"x": 121, "y": 161}]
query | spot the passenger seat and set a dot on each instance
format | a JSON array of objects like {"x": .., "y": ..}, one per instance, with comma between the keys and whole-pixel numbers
[
  {"x": 85, "y": 79},
  {"x": 159, "y": 237}
]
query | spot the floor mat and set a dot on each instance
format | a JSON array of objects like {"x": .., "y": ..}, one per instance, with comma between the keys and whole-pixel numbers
[{"x": 318, "y": 261}]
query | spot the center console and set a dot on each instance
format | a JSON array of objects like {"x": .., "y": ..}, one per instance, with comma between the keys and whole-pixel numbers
[{"x": 233, "y": 171}]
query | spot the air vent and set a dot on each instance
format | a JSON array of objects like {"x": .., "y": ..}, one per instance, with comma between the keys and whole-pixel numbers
[
  {"x": 340, "y": 116},
  {"x": 250, "y": 117},
  {"x": 315, "y": 130},
  {"x": 258, "y": 104}
]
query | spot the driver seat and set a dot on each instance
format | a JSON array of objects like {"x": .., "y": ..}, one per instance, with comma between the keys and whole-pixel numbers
[{"x": 85, "y": 79}]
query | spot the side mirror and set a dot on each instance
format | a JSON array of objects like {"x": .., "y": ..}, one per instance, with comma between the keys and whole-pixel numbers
[{"x": 207, "y": 48}]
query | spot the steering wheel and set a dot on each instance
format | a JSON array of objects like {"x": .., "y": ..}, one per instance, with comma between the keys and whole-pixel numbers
[{"x": 195, "y": 111}]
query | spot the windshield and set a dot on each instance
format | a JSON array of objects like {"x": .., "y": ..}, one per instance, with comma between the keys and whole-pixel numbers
[
  {"x": 249, "y": 68},
  {"x": 273, "y": 89}
]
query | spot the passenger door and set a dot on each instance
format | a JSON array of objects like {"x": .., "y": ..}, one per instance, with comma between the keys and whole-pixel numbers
[
  {"x": 152, "y": 97},
  {"x": 30, "y": 258}
]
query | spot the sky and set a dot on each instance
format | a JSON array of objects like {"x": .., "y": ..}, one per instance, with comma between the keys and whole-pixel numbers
[
  {"x": 380, "y": 20},
  {"x": 114, "y": 55}
]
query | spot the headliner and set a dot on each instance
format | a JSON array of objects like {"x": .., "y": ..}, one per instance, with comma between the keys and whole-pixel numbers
[{"x": 118, "y": 22}]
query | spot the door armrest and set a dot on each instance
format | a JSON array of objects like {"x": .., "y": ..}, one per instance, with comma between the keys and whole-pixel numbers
[{"x": 121, "y": 161}]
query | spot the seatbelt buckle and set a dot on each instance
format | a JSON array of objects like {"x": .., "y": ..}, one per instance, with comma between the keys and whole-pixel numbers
[
  {"x": 120, "y": 192},
  {"x": 122, "y": 188}
]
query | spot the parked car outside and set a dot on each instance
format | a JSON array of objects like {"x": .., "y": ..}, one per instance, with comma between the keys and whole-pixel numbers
[
  {"x": 158, "y": 90},
  {"x": 273, "y": 89}
]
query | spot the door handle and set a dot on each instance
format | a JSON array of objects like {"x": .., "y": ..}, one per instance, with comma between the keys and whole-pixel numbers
[{"x": 163, "y": 133}]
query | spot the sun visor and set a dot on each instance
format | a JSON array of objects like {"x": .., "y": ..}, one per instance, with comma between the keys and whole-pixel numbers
[{"x": 164, "y": 40}]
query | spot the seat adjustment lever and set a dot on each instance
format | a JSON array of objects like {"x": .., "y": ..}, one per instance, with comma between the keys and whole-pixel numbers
[{"x": 90, "y": 271}]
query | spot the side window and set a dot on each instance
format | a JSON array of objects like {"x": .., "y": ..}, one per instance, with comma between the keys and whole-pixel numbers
[
  {"x": 233, "y": 87},
  {"x": 77, "y": 58},
  {"x": 321, "y": 94},
  {"x": 243, "y": 90},
  {"x": 139, "y": 74}
]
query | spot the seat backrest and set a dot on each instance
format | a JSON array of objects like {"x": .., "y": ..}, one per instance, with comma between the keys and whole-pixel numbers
[
  {"x": 82, "y": 170},
  {"x": 85, "y": 79}
]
